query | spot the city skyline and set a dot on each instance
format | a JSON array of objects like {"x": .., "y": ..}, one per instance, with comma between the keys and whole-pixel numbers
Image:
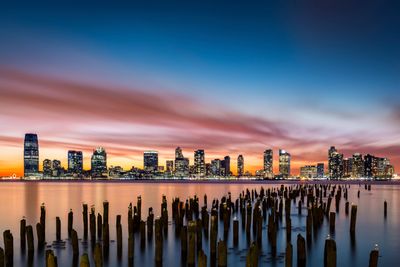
[{"x": 231, "y": 79}]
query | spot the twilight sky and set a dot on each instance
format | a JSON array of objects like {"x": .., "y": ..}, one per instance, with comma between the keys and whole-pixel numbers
[{"x": 229, "y": 78}]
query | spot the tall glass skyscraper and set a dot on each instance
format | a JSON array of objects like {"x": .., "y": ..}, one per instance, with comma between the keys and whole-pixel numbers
[
  {"x": 268, "y": 164},
  {"x": 99, "y": 163},
  {"x": 199, "y": 164},
  {"x": 75, "y": 162},
  {"x": 31, "y": 155},
  {"x": 284, "y": 163},
  {"x": 150, "y": 161},
  {"x": 240, "y": 166}
]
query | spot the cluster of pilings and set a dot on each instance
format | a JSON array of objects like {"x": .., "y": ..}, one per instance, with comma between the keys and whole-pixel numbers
[{"x": 191, "y": 222}]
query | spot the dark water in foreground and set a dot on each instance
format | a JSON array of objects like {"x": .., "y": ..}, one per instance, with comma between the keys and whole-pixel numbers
[{"x": 24, "y": 199}]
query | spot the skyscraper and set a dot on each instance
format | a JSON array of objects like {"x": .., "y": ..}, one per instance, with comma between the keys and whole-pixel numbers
[
  {"x": 284, "y": 163},
  {"x": 150, "y": 161},
  {"x": 31, "y": 155},
  {"x": 320, "y": 170},
  {"x": 308, "y": 171},
  {"x": 370, "y": 166},
  {"x": 347, "y": 167},
  {"x": 335, "y": 163},
  {"x": 178, "y": 153},
  {"x": 215, "y": 167},
  {"x": 268, "y": 164},
  {"x": 199, "y": 163},
  {"x": 226, "y": 164},
  {"x": 57, "y": 169},
  {"x": 358, "y": 166},
  {"x": 75, "y": 162},
  {"x": 169, "y": 164},
  {"x": 181, "y": 164},
  {"x": 240, "y": 166},
  {"x": 99, "y": 163}
]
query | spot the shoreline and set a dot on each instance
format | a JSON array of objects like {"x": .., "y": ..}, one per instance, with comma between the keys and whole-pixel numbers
[{"x": 186, "y": 181}]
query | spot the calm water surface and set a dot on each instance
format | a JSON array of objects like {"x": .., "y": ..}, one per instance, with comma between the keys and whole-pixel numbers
[{"x": 23, "y": 199}]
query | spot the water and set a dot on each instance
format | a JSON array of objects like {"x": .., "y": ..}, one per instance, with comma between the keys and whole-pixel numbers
[{"x": 19, "y": 199}]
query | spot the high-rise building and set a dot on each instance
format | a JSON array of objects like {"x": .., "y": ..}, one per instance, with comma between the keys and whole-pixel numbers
[
  {"x": 99, "y": 163},
  {"x": 178, "y": 153},
  {"x": 240, "y": 166},
  {"x": 199, "y": 163},
  {"x": 182, "y": 167},
  {"x": 335, "y": 163},
  {"x": 347, "y": 167},
  {"x": 358, "y": 166},
  {"x": 226, "y": 164},
  {"x": 370, "y": 166},
  {"x": 47, "y": 168},
  {"x": 75, "y": 162},
  {"x": 169, "y": 164},
  {"x": 268, "y": 164},
  {"x": 320, "y": 170},
  {"x": 308, "y": 172},
  {"x": 284, "y": 163},
  {"x": 215, "y": 167},
  {"x": 31, "y": 155},
  {"x": 150, "y": 161}
]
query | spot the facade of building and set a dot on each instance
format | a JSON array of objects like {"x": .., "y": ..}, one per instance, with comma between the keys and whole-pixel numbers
[
  {"x": 56, "y": 167},
  {"x": 215, "y": 167},
  {"x": 169, "y": 164},
  {"x": 268, "y": 164},
  {"x": 75, "y": 162},
  {"x": 284, "y": 163},
  {"x": 347, "y": 167},
  {"x": 226, "y": 163},
  {"x": 47, "y": 168},
  {"x": 150, "y": 161},
  {"x": 31, "y": 155},
  {"x": 358, "y": 166},
  {"x": 99, "y": 163},
  {"x": 335, "y": 163},
  {"x": 320, "y": 170},
  {"x": 308, "y": 172},
  {"x": 199, "y": 163},
  {"x": 240, "y": 166}
]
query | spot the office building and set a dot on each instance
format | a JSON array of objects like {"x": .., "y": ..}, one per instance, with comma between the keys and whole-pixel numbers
[
  {"x": 335, "y": 163},
  {"x": 240, "y": 166},
  {"x": 199, "y": 163},
  {"x": 308, "y": 172},
  {"x": 284, "y": 163},
  {"x": 226, "y": 166},
  {"x": 99, "y": 163},
  {"x": 268, "y": 164},
  {"x": 75, "y": 162},
  {"x": 31, "y": 155},
  {"x": 320, "y": 170},
  {"x": 150, "y": 161},
  {"x": 47, "y": 168},
  {"x": 358, "y": 166}
]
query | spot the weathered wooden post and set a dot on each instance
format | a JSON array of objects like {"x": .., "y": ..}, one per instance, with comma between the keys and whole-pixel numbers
[
  {"x": 330, "y": 253},
  {"x": 202, "y": 259},
  {"x": 192, "y": 243},
  {"x": 301, "y": 251},
  {"x": 92, "y": 225},
  {"x": 159, "y": 242},
  {"x": 346, "y": 208},
  {"x": 373, "y": 257},
  {"x": 105, "y": 212},
  {"x": 332, "y": 217},
  {"x": 119, "y": 236},
  {"x": 8, "y": 248},
  {"x": 98, "y": 255},
  {"x": 213, "y": 236},
  {"x": 288, "y": 229},
  {"x": 51, "y": 259},
  {"x": 1, "y": 257},
  {"x": 184, "y": 242},
  {"x": 353, "y": 218},
  {"x": 70, "y": 222},
  {"x": 85, "y": 221},
  {"x": 23, "y": 234},
  {"x": 106, "y": 238},
  {"x": 84, "y": 260},
  {"x": 235, "y": 232},
  {"x": 40, "y": 235},
  {"x": 43, "y": 220},
  {"x": 252, "y": 256},
  {"x": 222, "y": 254},
  {"x": 142, "y": 228},
  {"x": 75, "y": 245},
  {"x": 289, "y": 255},
  {"x": 99, "y": 225},
  {"x": 385, "y": 209},
  {"x": 131, "y": 246},
  {"x": 29, "y": 237},
  {"x": 58, "y": 229}
]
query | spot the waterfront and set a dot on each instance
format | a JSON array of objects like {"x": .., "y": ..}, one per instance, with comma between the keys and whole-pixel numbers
[{"x": 24, "y": 199}]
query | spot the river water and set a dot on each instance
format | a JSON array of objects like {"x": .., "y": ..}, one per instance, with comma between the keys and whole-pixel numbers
[{"x": 23, "y": 199}]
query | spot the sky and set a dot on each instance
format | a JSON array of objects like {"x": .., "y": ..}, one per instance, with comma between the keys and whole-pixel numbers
[{"x": 229, "y": 77}]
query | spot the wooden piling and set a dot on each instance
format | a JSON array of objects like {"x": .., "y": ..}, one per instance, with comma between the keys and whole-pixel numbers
[
  {"x": 92, "y": 226},
  {"x": 353, "y": 218},
  {"x": 51, "y": 259},
  {"x": 23, "y": 234},
  {"x": 192, "y": 243},
  {"x": 159, "y": 242},
  {"x": 1, "y": 257},
  {"x": 84, "y": 260},
  {"x": 235, "y": 232},
  {"x": 289, "y": 255},
  {"x": 99, "y": 225},
  {"x": 131, "y": 249},
  {"x": 8, "y": 248},
  {"x": 385, "y": 209},
  {"x": 202, "y": 259},
  {"x": 43, "y": 220},
  {"x": 58, "y": 229},
  {"x": 222, "y": 254},
  {"x": 184, "y": 242},
  {"x": 373, "y": 258},
  {"x": 70, "y": 222},
  {"x": 85, "y": 221},
  {"x": 29, "y": 237},
  {"x": 330, "y": 253},
  {"x": 119, "y": 236},
  {"x": 40, "y": 235},
  {"x": 98, "y": 255},
  {"x": 346, "y": 208},
  {"x": 332, "y": 217},
  {"x": 75, "y": 244},
  {"x": 301, "y": 251},
  {"x": 142, "y": 228},
  {"x": 252, "y": 256}
]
